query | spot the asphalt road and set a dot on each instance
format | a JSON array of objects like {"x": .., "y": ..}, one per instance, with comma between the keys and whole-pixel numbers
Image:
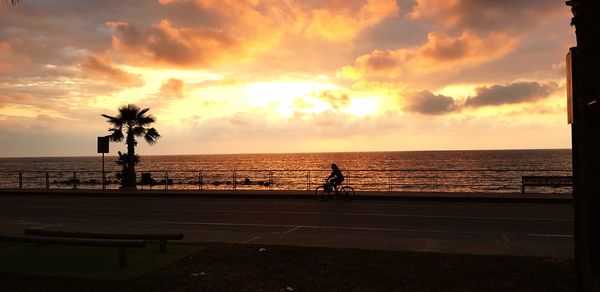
[{"x": 463, "y": 227}]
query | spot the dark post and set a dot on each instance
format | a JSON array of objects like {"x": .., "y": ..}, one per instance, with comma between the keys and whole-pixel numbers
[
  {"x": 200, "y": 180},
  {"x": 122, "y": 257},
  {"x": 103, "y": 174},
  {"x": 47, "y": 180},
  {"x": 20, "y": 179},
  {"x": 163, "y": 245},
  {"x": 234, "y": 180},
  {"x": 74, "y": 180},
  {"x": 166, "y": 180},
  {"x": 585, "y": 92}
]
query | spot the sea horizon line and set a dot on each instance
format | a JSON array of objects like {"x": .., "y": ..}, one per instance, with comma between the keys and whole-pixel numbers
[{"x": 295, "y": 153}]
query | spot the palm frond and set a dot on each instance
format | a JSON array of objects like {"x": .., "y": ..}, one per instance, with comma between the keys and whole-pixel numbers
[
  {"x": 151, "y": 136},
  {"x": 142, "y": 112},
  {"x": 116, "y": 134},
  {"x": 129, "y": 112},
  {"x": 145, "y": 121},
  {"x": 124, "y": 158},
  {"x": 121, "y": 159},
  {"x": 139, "y": 131},
  {"x": 114, "y": 120}
]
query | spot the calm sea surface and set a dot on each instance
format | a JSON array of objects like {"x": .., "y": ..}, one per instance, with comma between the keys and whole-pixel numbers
[{"x": 493, "y": 170}]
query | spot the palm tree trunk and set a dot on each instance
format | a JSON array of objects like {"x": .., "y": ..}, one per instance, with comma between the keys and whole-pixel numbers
[{"x": 130, "y": 177}]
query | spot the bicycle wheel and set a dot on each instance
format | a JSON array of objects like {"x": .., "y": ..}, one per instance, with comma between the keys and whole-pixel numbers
[
  {"x": 347, "y": 193},
  {"x": 322, "y": 194}
]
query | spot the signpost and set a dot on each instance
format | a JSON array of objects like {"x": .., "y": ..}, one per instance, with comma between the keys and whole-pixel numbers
[{"x": 103, "y": 148}]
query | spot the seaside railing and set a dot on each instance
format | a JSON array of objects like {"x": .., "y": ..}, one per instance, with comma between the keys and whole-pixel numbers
[{"x": 392, "y": 180}]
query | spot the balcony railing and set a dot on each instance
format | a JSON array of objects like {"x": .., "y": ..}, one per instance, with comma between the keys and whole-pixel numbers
[{"x": 395, "y": 180}]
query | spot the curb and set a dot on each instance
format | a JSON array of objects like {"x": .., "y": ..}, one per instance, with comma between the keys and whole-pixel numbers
[{"x": 299, "y": 195}]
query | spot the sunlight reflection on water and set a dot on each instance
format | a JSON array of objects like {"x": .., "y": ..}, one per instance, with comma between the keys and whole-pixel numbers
[{"x": 442, "y": 170}]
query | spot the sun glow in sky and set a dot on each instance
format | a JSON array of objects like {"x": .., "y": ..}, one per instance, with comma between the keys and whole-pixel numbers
[{"x": 250, "y": 76}]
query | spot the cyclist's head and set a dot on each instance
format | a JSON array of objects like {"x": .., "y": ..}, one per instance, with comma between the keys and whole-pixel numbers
[{"x": 333, "y": 166}]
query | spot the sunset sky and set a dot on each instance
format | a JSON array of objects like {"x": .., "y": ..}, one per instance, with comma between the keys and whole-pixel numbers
[{"x": 252, "y": 76}]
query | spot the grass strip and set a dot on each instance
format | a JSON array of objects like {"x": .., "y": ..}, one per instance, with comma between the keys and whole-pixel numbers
[{"x": 86, "y": 262}]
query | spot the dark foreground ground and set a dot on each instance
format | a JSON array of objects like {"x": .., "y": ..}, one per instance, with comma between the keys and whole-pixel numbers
[{"x": 246, "y": 267}]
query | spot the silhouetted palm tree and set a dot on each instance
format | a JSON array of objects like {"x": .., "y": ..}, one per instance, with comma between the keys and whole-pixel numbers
[{"x": 134, "y": 122}]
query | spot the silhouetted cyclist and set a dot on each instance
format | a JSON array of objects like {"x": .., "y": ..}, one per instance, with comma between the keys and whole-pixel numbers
[{"x": 336, "y": 177}]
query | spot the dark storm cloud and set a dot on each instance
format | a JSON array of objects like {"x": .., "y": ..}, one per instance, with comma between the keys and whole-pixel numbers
[
  {"x": 519, "y": 92},
  {"x": 425, "y": 102}
]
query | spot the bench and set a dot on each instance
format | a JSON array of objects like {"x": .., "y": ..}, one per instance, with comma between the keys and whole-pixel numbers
[
  {"x": 161, "y": 238},
  {"x": 120, "y": 244},
  {"x": 545, "y": 181}
]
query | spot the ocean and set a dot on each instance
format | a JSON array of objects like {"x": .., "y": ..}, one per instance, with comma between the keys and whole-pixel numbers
[{"x": 444, "y": 171}]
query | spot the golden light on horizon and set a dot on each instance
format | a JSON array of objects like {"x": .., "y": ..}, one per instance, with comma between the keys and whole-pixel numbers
[
  {"x": 361, "y": 107},
  {"x": 285, "y": 96},
  {"x": 263, "y": 93}
]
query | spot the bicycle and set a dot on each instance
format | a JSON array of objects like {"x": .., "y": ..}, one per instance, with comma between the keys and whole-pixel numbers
[{"x": 328, "y": 191}]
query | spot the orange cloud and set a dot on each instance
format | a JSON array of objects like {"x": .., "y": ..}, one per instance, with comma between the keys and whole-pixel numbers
[
  {"x": 8, "y": 59},
  {"x": 485, "y": 15},
  {"x": 4, "y": 50},
  {"x": 164, "y": 43},
  {"x": 240, "y": 30},
  {"x": 223, "y": 7},
  {"x": 339, "y": 24},
  {"x": 16, "y": 98},
  {"x": 101, "y": 67},
  {"x": 333, "y": 20},
  {"x": 172, "y": 88},
  {"x": 237, "y": 31},
  {"x": 441, "y": 54}
]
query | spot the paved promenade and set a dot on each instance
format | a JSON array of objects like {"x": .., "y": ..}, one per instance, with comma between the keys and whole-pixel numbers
[
  {"x": 159, "y": 191},
  {"x": 461, "y": 223}
]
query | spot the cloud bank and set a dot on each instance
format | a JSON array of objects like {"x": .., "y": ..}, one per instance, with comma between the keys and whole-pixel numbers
[
  {"x": 425, "y": 102},
  {"x": 513, "y": 93}
]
